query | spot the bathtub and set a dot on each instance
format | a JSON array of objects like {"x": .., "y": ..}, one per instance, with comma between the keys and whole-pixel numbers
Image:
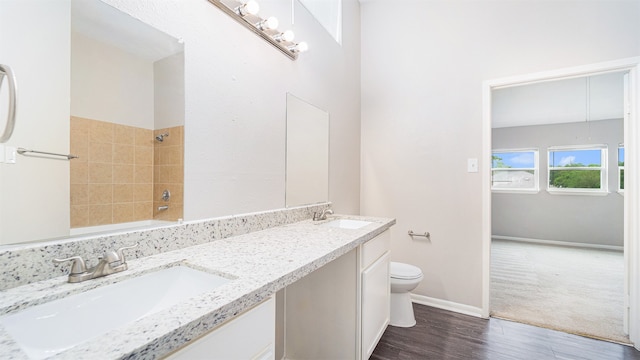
[{"x": 135, "y": 225}]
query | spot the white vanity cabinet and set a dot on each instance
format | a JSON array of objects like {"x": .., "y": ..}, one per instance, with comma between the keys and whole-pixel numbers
[
  {"x": 341, "y": 310},
  {"x": 375, "y": 291},
  {"x": 249, "y": 336}
]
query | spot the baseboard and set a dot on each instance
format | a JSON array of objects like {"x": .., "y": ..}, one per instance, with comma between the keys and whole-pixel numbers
[
  {"x": 558, "y": 243},
  {"x": 447, "y": 305}
]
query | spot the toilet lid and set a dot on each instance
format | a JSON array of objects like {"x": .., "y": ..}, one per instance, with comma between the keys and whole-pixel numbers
[{"x": 404, "y": 271}]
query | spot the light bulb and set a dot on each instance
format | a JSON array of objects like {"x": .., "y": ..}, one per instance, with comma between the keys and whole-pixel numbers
[
  {"x": 270, "y": 24},
  {"x": 285, "y": 36},
  {"x": 302, "y": 47},
  {"x": 250, "y": 7},
  {"x": 299, "y": 47}
]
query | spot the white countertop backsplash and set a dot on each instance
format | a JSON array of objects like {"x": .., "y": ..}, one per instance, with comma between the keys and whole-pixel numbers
[{"x": 260, "y": 262}]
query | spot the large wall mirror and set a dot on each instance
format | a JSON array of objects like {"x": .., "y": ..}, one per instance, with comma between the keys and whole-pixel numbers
[
  {"x": 307, "y": 174},
  {"x": 113, "y": 95},
  {"x": 98, "y": 83}
]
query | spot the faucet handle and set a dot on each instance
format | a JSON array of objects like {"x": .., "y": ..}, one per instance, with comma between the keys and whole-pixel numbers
[
  {"x": 78, "y": 266},
  {"x": 120, "y": 252}
]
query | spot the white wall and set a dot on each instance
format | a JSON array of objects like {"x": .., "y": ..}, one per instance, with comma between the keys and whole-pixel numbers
[
  {"x": 583, "y": 219},
  {"x": 422, "y": 77},
  {"x": 109, "y": 84},
  {"x": 34, "y": 200},
  {"x": 235, "y": 102},
  {"x": 168, "y": 76}
]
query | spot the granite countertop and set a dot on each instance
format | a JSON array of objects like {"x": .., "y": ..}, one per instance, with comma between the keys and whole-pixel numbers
[{"x": 260, "y": 264}]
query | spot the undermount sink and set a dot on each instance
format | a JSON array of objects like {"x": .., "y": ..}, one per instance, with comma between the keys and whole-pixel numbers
[
  {"x": 347, "y": 223},
  {"x": 50, "y": 328}
]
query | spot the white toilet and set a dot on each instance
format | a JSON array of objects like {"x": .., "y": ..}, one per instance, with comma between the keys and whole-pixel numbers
[{"x": 404, "y": 278}]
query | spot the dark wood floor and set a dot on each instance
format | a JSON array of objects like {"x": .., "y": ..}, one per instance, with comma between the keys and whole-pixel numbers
[{"x": 445, "y": 335}]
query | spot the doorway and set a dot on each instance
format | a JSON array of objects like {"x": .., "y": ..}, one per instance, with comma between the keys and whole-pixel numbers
[{"x": 631, "y": 200}]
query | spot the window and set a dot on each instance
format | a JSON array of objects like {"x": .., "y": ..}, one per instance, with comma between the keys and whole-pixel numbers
[
  {"x": 514, "y": 170},
  {"x": 329, "y": 15},
  {"x": 578, "y": 169},
  {"x": 621, "y": 167}
]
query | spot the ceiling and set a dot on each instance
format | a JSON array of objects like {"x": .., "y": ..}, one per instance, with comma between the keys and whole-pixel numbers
[
  {"x": 104, "y": 23},
  {"x": 598, "y": 97}
]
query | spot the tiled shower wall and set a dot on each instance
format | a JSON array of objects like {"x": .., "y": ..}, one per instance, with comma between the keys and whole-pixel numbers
[
  {"x": 168, "y": 173},
  {"x": 112, "y": 181}
]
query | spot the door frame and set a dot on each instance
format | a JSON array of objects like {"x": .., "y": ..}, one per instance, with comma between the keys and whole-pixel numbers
[{"x": 632, "y": 187}]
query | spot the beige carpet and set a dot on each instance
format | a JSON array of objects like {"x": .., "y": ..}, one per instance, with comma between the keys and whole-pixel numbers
[{"x": 575, "y": 290}]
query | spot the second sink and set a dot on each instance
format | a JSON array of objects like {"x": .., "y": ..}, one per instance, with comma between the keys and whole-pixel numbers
[{"x": 347, "y": 223}]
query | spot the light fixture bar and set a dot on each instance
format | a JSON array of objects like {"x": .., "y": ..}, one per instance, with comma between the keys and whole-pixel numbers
[{"x": 284, "y": 47}]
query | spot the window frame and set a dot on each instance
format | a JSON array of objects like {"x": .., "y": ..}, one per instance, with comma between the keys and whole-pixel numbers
[
  {"x": 620, "y": 168},
  {"x": 536, "y": 171},
  {"x": 604, "y": 185}
]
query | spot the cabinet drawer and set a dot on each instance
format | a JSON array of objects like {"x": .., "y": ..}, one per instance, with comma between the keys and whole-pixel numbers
[{"x": 374, "y": 248}]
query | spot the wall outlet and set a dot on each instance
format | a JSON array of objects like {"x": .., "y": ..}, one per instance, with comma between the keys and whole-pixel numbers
[{"x": 472, "y": 165}]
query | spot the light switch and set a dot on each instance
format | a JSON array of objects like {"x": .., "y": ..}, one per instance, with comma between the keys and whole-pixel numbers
[
  {"x": 8, "y": 154},
  {"x": 472, "y": 165}
]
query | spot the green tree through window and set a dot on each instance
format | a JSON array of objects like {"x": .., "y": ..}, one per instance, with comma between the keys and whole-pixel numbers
[
  {"x": 578, "y": 168},
  {"x": 575, "y": 179}
]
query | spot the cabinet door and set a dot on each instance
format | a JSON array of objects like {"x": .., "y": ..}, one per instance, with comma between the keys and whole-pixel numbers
[
  {"x": 247, "y": 337},
  {"x": 375, "y": 303}
]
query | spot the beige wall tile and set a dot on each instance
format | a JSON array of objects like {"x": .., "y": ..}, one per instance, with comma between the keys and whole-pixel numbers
[
  {"x": 158, "y": 188},
  {"x": 144, "y": 137},
  {"x": 160, "y": 214},
  {"x": 100, "y": 131},
  {"x": 100, "y": 173},
  {"x": 142, "y": 192},
  {"x": 123, "y": 174},
  {"x": 156, "y": 173},
  {"x": 100, "y": 194},
  {"x": 176, "y": 191},
  {"x": 180, "y": 131},
  {"x": 123, "y": 154},
  {"x": 143, "y": 210},
  {"x": 123, "y": 213},
  {"x": 79, "y": 215},
  {"x": 177, "y": 195},
  {"x": 171, "y": 174},
  {"x": 100, "y": 152},
  {"x": 100, "y": 214},
  {"x": 80, "y": 147},
  {"x": 122, "y": 193},
  {"x": 79, "y": 194},
  {"x": 156, "y": 155},
  {"x": 79, "y": 127},
  {"x": 173, "y": 213},
  {"x": 143, "y": 174},
  {"x": 175, "y": 137},
  {"x": 116, "y": 170},
  {"x": 144, "y": 155},
  {"x": 170, "y": 155},
  {"x": 123, "y": 134},
  {"x": 79, "y": 172}
]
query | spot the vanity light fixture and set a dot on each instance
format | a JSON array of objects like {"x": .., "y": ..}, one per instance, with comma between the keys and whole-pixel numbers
[{"x": 246, "y": 13}]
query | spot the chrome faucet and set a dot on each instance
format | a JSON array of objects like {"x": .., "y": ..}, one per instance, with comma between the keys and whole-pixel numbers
[
  {"x": 322, "y": 215},
  {"x": 111, "y": 262}
]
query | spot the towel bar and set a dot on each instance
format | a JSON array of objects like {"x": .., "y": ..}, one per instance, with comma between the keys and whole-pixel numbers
[
  {"x": 426, "y": 234},
  {"x": 23, "y": 151}
]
